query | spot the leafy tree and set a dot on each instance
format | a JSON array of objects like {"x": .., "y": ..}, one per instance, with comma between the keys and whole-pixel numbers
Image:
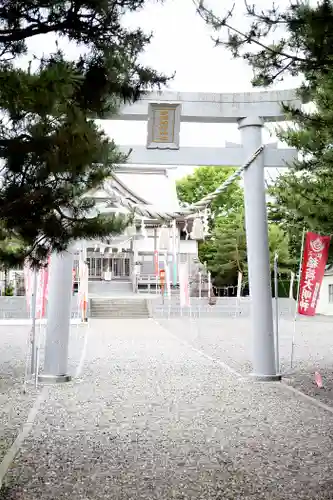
[
  {"x": 226, "y": 253},
  {"x": 288, "y": 209},
  {"x": 52, "y": 153},
  {"x": 205, "y": 180},
  {"x": 194, "y": 187},
  {"x": 279, "y": 244}
]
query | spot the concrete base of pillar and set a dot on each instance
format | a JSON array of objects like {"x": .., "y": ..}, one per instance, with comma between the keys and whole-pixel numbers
[
  {"x": 266, "y": 378},
  {"x": 54, "y": 379}
]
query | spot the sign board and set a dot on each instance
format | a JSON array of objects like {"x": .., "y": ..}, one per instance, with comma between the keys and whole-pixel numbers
[
  {"x": 163, "y": 126},
  {"x": 313, "y": 269}
]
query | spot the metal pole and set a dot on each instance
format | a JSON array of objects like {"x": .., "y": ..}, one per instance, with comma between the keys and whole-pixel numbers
[
  {"x": 239, "y": 291},
  {"x": 291, "y": 285},
  {"x": 297, "y": 299},
  {"x": 33, "y": 326},
  {"x": 200, "y": 294},
  {"x": 276, "y": 295},
  {"x": 37, "y": 355},
  {"x": 258, "y": 253},
  {"x": 168, "y": 279},
  {"x": 174, "y": 253}
]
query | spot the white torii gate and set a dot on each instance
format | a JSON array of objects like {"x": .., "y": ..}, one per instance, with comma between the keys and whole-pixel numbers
[{"x": 165, "y": 111}]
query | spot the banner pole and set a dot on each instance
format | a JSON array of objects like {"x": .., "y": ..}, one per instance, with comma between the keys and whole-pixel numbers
[
  {"x": 33, "y": 326},
  {"x": 43, "y": 284},
  {"x": 200, "y": 294},
  {"x": 276, "y": 293},
  {"x": 239, "y": 293},
  {"x": 168, "y": 278},
  {"x": 297, "y": 299},
  {"x": 174, "y": 253},
  {"x": 291, "y": 285},
  {"x": 38, "y": 352},
  {"x": 26, "y": 370}
]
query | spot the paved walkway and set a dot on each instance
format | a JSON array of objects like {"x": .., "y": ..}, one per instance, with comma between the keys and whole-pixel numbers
[{"x": 152, "y": 418}]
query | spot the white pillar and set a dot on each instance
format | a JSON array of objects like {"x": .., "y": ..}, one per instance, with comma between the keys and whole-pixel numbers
[
  {"x": 58, "y": 317},
  {"x": 258, "y": 253}
]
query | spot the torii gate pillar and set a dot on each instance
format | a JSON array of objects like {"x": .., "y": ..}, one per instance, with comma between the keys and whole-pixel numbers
[
  {"x": 58, "y": 318},
  {"x": 258, "y": 253}
]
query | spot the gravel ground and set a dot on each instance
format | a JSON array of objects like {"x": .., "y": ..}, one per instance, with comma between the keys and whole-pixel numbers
[
  {"x": 153, "y": 419},
  {"x": 15, "y": 404},
  {"x": 229, "y": 339}
]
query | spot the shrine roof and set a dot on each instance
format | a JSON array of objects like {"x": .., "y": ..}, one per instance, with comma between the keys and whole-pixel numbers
[{"x": 144, "y": 185}]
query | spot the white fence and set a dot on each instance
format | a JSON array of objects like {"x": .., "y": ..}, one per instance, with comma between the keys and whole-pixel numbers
[
  {"x": 16, "y": 308},
  {"x": 225, "y": 307}
]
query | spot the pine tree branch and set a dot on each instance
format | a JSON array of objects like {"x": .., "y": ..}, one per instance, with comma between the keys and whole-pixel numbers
[
  {"x": 210, "y": 18},
  {"x": 8, "y": 36}
]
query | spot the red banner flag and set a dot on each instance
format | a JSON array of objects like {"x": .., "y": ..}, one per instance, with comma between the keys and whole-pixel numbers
[
  {"x": 42, "y": 292},
  {"x": 314, "y": 262}
]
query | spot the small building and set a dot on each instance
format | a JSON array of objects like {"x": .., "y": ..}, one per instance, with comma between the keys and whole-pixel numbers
[{"x": 325, "y": 301}]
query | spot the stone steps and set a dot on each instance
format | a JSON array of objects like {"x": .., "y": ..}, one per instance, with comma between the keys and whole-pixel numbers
[
  {"x": 110, "y": 308},
  {"x": 112, "y": 287}
]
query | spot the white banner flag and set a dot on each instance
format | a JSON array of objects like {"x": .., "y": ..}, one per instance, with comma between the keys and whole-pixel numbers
[
  {"x": 184, "y": 285},
  {"x": 167, "y": 278},
  {"x": 83, "y": 288}
]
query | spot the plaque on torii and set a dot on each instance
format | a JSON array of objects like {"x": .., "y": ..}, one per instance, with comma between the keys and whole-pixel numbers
[{"x": 163, "y": 126}]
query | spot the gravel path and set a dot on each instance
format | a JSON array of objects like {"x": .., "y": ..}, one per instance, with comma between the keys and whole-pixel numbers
[
  {"x": 153, "y": 419},
  {"x": 229, "y": 339},
  {"x": 14, "y": 403}
]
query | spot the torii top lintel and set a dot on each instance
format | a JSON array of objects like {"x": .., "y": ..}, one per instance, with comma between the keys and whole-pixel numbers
[{"x": 215, "y": 108}]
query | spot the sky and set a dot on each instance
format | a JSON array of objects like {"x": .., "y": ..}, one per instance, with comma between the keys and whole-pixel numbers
[{"x": 182, "y": 45}]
